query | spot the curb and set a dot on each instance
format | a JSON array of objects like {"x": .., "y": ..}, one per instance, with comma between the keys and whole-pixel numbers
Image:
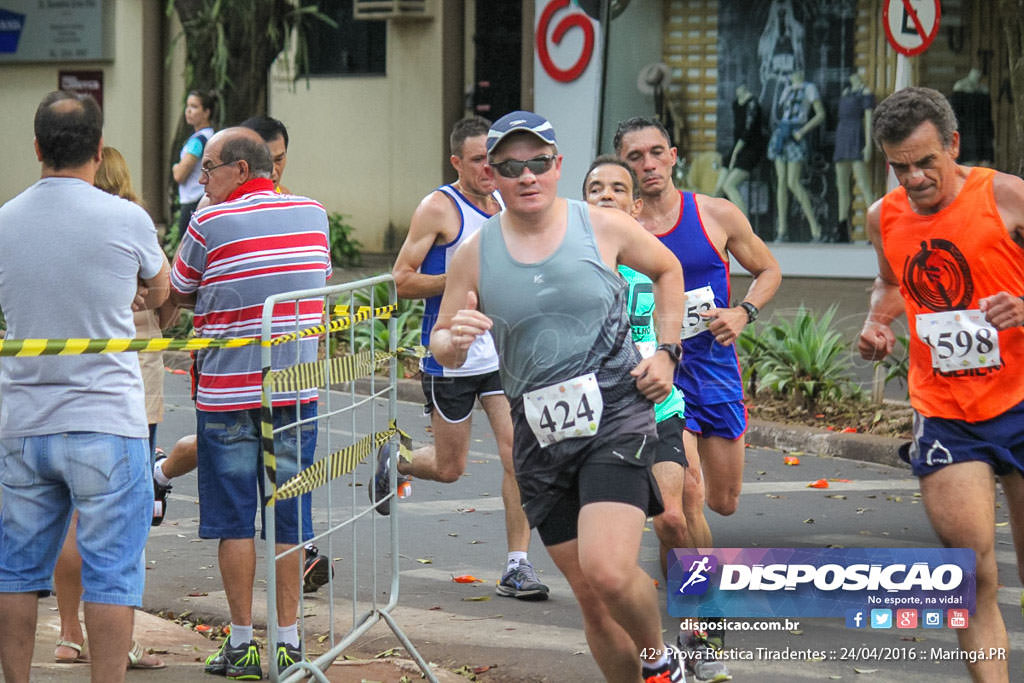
[{"x": 882, "y": 450}]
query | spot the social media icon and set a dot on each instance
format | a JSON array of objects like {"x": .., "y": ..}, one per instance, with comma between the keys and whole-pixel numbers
[
  {"x": 956, "y": 618},
  {"x": 906, "y": 618},
  {"x": 932, "y": 618},
  {"x": 881, "y": 618},
  {"x": 856, "y": 618}
]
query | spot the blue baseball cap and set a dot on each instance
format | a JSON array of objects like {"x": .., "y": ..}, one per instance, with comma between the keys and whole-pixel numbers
[{"x": 525, "y": 121}]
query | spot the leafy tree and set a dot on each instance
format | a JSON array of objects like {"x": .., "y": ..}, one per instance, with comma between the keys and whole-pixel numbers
[{"x": 231, "y": 44}]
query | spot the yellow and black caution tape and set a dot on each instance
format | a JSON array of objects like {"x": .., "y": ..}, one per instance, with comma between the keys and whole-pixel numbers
[
  {"x": 341, "y": 462},
  {"x": 342, "y": 369},
  {"x": 74, "y": 347},
  {"x": 338, "y": 324}
]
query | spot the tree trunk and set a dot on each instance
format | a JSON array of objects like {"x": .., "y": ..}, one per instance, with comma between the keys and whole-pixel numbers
[
  {"x": 1011, "y": 15},
  {"x": 229, "y": 47}
]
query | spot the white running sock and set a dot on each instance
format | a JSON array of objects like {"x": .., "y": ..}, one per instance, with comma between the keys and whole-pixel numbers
[
  {"x": 513, "y": 559},
  {"x": 158, "y": 474},
  {"x": 662, "y": 661},
  {"x": 240, "y": 635},
  {"x": 288, "y": 634}
]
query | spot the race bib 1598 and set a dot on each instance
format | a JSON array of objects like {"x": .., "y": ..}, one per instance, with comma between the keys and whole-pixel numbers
[{"x": 959, "y": 340}]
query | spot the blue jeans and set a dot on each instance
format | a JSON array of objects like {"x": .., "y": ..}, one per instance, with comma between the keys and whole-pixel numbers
[
  {"x": 103, "y": 476},
  {"x": 231, "y": 473}
]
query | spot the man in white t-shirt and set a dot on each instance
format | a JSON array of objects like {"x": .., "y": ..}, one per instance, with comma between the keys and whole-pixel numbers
[{"x": 73, "y": 429}]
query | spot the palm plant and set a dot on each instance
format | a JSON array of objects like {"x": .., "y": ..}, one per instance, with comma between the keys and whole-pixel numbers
[{"x": 807, "y": 360}]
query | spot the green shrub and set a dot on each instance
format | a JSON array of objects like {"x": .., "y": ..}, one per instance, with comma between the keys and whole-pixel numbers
[
  {"x": 805, "y": 360},
  {"x": 408, "y": 320},
  {"x": 344, "y": 247}
]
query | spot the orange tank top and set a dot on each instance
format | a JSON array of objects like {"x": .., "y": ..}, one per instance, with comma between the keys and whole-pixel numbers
[{"x": 946, "y": 262}]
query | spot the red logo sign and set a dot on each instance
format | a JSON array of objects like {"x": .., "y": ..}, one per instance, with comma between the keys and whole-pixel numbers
[
  {"x": 911, "y": 25},
  {"x": 957, "y": 618},
  {"x": 577, "y": 19}
]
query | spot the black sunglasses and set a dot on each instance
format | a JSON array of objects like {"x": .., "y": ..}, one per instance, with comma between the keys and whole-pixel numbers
[{"x": 513, "y": 168}]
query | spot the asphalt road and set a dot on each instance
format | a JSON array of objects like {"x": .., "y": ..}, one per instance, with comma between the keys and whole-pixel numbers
[{"x": 448, "y": 530}]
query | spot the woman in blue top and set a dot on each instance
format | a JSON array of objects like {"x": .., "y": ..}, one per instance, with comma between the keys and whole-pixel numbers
[{"x": 198, "y": 114}]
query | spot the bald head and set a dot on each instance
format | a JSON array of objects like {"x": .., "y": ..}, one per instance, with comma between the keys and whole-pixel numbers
[{"x": 242, "y": 144}]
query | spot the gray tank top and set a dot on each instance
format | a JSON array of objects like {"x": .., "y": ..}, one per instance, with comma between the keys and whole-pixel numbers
[{"x": 555, "y": 319}]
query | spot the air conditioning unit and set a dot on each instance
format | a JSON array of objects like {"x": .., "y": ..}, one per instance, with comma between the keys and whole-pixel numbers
[{"x": 393, "y": 9}]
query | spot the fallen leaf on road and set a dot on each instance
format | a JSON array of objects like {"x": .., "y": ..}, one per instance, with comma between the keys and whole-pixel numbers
[
  {"x": 423, "y": 560},
  {"x": 485, "y": 667},
  {"x": 462, "y": 509},
  {"x": 809, "y": 520},
  {"x": 466, "y": 578},
  {"x": 837, "y": 496},
  {"x": 390, "y": 652},
  {"x": 197, "y": 595},
  {"x": 865, "y": 671},
  {"x": 819, "y": 484},
  {"x": 435, "y": 607},
  {"x": 453, "y": 534},
  {"x": 477, "y": 598},
  {"x": 844, "y": 481},
  {"x": 1001, "y": 523}
]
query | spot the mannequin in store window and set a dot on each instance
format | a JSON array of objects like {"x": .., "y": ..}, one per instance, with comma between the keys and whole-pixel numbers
[
  {"x": 853, "y": 149},
  {"x": 748, "y": 146},
  {"x": 973, "y": 107},
  {"x": 800, "y": 111}
]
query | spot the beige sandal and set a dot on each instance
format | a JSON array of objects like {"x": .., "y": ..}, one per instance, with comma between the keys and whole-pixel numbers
[
  {"x": 79, "y": 658},
  {"x": 138, "y": 658}
]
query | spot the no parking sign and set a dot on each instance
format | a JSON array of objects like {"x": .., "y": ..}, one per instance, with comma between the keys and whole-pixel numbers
[{"x": 911, "y": 25}]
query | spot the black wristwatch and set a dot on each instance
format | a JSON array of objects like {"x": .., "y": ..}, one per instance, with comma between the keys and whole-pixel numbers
[
  {"x": 674, "y": 351},
  {"x": 751, "y": 310}
]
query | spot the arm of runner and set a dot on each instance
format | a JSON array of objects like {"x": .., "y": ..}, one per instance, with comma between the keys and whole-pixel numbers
[
  {"x": 642, "y": 252},
  {"x": 435, "y": 221},
  {"x": 753, "y": 254},
  {"x": 459, "y": 320},
  {"x": 876, "y": 339},
  {"x": 1003, "y": 310}
]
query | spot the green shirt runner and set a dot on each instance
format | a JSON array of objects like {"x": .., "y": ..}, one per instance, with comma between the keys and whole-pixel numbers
[{"x": 641, "y": 320}]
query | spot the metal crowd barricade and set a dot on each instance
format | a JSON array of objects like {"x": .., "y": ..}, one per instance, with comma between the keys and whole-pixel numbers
[{"x": 344, "y": 518}]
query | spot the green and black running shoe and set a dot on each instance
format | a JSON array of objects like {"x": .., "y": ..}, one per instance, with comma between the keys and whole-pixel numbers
[{"x": 241, "y": 663}]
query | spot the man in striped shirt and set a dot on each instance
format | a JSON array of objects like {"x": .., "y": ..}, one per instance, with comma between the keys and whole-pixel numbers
[{"x": 250, "y": 243}]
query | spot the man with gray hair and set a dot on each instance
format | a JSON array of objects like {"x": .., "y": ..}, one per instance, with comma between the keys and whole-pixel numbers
[
  {"x": 250, "y": 243},
  {"x": 948, "y": 242},
  {"x": 73, "y": 429}
]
